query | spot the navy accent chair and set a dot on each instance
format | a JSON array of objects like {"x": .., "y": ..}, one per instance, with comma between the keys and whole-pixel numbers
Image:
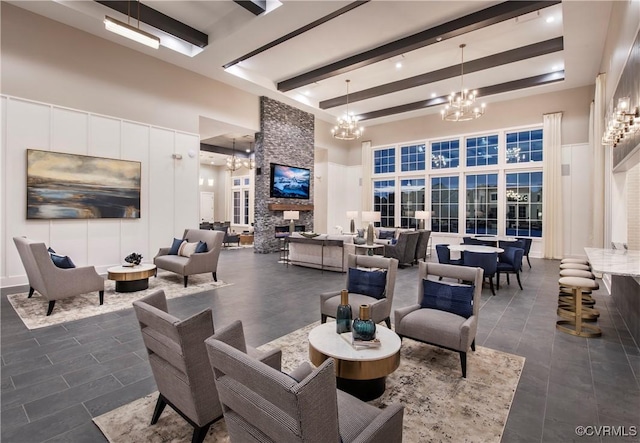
[
  {"x": 473, "y": 241},
  {"x": 527, "y": 247},
  {"x": 486, "y": 261},
  {"x": 511, "y": 244},
  {"x": 510, "y": 262},
  {"x": 444, "y": 255}
]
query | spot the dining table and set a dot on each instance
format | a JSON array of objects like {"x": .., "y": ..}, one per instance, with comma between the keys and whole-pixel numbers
[{"x": 475, "y": 248}]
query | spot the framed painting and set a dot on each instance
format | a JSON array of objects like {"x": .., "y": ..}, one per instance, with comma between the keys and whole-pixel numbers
[{"x": 71, "y": 186}]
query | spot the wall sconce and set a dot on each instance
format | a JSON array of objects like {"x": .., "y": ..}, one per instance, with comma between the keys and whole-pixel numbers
[
  {"x": 210, "y": 181},
  {"x": 201, "y": 181},
  {"x": 176, "y": 156},
  {"x": 624, "y": 121}
]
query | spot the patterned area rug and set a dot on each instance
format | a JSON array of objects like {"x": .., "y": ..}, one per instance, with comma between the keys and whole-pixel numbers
[
  {"x": 440, "y": 405},
  {"x": 33, "y": 311}
]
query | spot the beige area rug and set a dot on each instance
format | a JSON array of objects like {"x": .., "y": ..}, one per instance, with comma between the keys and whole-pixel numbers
[
  {"x": 33, "y": 311},
  {"x": 440, "y": 405}
]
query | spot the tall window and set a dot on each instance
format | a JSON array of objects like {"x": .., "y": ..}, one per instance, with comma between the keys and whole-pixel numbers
[
  {"x": 482, "y": 204},
  {"x": 444, "y": 204},
  {"x": 524, "y": 146},
  {"x": 412, "y": 158},
  {"x": 411, "y": 200},
  {"x": 524, "y": 204},
  {"x": 240, "y": 199},
  {"x": 384, "y": 161},
  {"x": 384, "y": 199},
  {"x": 445, "y": 154},
  {"x": 482, "y": 151}
]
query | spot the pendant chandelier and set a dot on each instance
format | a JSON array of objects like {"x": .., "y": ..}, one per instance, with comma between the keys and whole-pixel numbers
[
  {"x": 462, "y": 105},
  {"x": 347, "y": 127},
  {"x": 250, "y": 162},
  {"x": 233, "y": 163}
]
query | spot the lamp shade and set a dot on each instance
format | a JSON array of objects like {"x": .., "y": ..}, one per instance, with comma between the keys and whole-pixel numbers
[
  {"x": 352, "y": 214},
  {"x": 291, "y": 215},
  {"x": 421, "y": 215},
  {"x": 371, "y": 216}
]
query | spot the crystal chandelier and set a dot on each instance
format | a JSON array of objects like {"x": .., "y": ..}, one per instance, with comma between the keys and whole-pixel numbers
[
  {"x": 624, "y": 121},
  {"x": 462, "y": 105},
  {"x": 438, "y": 161},
  {"x": 347, "y": 127},
  {"x": 513, "y": 153},
  {"x": 233, "y": 163}
]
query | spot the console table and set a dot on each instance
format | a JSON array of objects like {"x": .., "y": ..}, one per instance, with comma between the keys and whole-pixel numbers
[{"x": 322, "y": 243}]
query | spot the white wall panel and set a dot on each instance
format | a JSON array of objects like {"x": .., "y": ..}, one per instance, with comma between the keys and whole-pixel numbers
[
  {"x": 161, "y": 201},
  {"x": 576, "y": 202},
  {"x": 187, "y": 199},
  {"x": 102, "y": 242},
  {"x": 28, "y": 127},
  {"x": 337, "y": 201},
  {"x": 134, "y": 234},
  {"x": 70, "y": 131},
  {"x": 3, "y": 185}
]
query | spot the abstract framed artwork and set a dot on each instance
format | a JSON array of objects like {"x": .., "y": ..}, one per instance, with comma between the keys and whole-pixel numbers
[{"x": 71, "y": 186}]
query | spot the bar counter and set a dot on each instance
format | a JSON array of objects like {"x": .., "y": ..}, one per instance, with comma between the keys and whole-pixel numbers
[{"x": 624, "y": 267}]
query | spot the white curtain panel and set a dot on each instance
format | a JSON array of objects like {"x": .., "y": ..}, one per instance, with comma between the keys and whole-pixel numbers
[
  {"x": 367, "y": 167},
  {"x": 598, "y": 190},
  {"x": 552, "y": 238}
]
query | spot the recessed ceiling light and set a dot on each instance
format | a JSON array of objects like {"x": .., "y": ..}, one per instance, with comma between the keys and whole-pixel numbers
[
  {"x": 433, "y": 95},
  {"x": 247, "y": 150},
  {"x": 398, "y": 65},
  {"x": 550, "y": 19},
  {"x": 212, "y": 162}
]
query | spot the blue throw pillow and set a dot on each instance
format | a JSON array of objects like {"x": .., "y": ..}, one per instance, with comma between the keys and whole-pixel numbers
[
  {"x": 386, "y": 235},
  {"x": 202, "y": 247},
  {"x": 457, "y": 299},
  {"x": 51, "y": 251},
  {"x": 371, "y": 283},
  {"x": 175, "y": 246},
  {"x": 61, "y": 261}
]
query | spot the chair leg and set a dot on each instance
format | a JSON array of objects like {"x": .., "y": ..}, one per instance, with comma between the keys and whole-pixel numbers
[
  {"x": 473, "y": 345},
  {"x": 491, "y": 285},
  {"x": 508, "y": 282},
  {"x": 528, "y": 261},
  {"x": 199, "y": 433},
  {"x": 52, "y": 303},
  {"x": 215, "y": 276},
  {"x": 30, "y": 291},
  {"x": 101, "y": 295},
  {"x": 160, "y": 405},
  {"x": 498, "y": 280},
  {"x": 518, "y": 277},
  {"x": 463, "y": 362},
  {"x": 186, "y": 278},
  {"x": 323, "y": 318},
  {"x": 388, "y": 322}
]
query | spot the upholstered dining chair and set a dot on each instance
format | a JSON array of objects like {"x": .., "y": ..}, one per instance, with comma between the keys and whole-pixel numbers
[
  {"x": 527, "y": 247},
  {"x": 441, "y": 327},
  {"x": 488, "y": 261},
  {"x": 179, "y": 361},
  {"x": 510, "y": 262},
  {"x": 198, "y": 263},
  {"x": 379, "y": 302},
  {"x": 444, "y": 255},
  {"x": 261, "y": 404},
  {"x": 52, "y": 282}
]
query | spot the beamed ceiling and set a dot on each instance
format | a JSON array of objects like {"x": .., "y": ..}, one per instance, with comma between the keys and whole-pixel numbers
[{"x": 402, "y": 57}]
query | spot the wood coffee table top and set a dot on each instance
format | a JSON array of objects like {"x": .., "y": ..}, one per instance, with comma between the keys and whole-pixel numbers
[{"x": 130, "y": 273}]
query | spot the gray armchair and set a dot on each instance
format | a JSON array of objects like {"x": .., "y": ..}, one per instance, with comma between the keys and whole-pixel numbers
[
  {"x": 441, "y": 328},
  {"x": 51, "y": 282},
  {"x": 197, "y": 263},
  {"x": 266, "y": 405},
  {"x": 380, "y": 309},
  {"x": 423, "y": 244},
  {"x": 179, "y": 362},
  {"x": 405, "y": 249}
]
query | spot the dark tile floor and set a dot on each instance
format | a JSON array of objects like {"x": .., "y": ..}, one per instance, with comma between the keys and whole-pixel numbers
[{"x": 54, "y": 380}]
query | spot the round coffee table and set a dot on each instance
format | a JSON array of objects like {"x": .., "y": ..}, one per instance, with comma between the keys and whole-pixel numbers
[
  {"x": 131, "y": 278},
  {"x": 360, "y": 372}
]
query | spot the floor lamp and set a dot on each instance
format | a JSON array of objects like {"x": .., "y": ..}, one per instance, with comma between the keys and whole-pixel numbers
[
  {"x": 422, "y": 216},
  {"x": 371, "y": 217}
]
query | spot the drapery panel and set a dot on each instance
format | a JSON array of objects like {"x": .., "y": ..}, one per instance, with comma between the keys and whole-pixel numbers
[{"x": 552, "y": 221}]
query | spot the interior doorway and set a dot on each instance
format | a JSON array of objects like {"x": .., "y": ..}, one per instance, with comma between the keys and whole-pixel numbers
[{"x": 207, "y": 200}]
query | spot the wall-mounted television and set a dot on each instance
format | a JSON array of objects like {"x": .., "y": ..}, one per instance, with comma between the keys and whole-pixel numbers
[{"x": 289, "y": 182}]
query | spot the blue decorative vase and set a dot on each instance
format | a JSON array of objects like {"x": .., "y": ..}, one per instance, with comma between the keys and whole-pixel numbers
[
  {"x": 343, "y": 316},
  {"x": 363, "y": 327}
]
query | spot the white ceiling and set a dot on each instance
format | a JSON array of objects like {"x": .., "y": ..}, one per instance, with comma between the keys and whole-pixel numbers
[{"x": 234, "y": 31}]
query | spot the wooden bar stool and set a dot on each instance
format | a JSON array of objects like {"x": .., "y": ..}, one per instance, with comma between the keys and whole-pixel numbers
[{"x": 575, "y": 325}]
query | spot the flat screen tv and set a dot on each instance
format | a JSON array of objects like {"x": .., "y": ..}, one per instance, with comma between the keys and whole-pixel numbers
[{"x": 289, "y": 182}]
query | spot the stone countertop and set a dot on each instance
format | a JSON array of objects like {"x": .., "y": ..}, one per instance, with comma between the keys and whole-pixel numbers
[{"x": 614, "y": 261}]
